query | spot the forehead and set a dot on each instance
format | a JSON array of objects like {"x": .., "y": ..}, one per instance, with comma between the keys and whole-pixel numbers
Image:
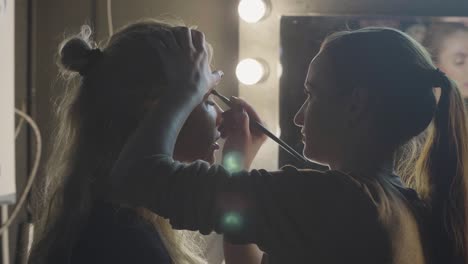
[
  {"x": 457, "y": 42},
  {"x": 320, "y": 72}
]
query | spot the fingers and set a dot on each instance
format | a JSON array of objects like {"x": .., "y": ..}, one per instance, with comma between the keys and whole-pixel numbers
[
  {"x": 184, "y": 55},
  {"x": 183, "y": 36},
  {"x": 168, "y": 39},
  {"x": 238, "y": 102},
  {"x": 216, "y": 77},
  {"x": 198, "y": 40},
  {"x": 234, "y": 122}
]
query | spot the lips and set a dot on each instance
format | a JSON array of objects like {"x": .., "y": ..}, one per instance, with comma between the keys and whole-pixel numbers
[{"x": 215, "y": 144}]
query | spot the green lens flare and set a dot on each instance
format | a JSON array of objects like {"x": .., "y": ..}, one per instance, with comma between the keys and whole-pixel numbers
[
  {"x": 233, "y": 161},
  {"x": 232, "y": 221}
]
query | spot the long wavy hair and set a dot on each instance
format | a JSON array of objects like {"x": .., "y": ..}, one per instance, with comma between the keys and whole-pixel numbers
[
  {"x": 98, "y": 111},
  {"x": 400, "y": 77}
]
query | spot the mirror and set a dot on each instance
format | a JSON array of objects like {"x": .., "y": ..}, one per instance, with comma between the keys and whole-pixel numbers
[{"x": 446, "y": 38}]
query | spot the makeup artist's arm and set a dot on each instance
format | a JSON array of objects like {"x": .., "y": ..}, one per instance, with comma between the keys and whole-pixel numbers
[{"x": 241, "y": 139}]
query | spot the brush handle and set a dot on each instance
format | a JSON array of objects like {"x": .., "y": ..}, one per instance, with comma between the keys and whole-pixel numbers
[{"x": 265, "y": 131}]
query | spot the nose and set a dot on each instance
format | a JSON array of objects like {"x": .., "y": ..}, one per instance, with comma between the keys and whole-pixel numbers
[{"x": 299, "y": 117}]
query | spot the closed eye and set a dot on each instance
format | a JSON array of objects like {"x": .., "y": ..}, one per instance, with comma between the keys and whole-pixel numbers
[{"x": 209, "y": 100}]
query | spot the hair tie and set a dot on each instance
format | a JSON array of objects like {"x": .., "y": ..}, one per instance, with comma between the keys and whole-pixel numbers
[
  {"x": 94, "y": 55},
  {"x": 440, "y": 79}
]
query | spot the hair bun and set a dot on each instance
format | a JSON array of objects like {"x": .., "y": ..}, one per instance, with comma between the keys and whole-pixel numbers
[{"x": 76, "y": 52}]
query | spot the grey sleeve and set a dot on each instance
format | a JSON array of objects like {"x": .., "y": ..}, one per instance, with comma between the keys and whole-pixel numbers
[
  {"x": 272, "y": 210},
  {"x": 197, "y": 196}
]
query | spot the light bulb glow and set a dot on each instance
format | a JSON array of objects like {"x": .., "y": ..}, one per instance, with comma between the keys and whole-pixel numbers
[
  {"x": 252, "y": 11},
  {"x": 250, "y": 71},
  {"x": 279, "y": 70}
]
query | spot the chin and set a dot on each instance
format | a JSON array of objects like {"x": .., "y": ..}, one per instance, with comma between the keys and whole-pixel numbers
[
  {"x": 211, "y": 157},
  {"x": 314, "y": 156},
  {"x": 211, "y": 160}
]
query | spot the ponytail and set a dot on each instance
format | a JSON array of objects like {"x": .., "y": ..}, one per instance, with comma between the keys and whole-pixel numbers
[{"x": 440, "y": 175}]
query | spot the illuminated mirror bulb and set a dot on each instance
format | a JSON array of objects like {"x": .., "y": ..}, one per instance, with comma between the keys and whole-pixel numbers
[
  {"x": 252, "y": 11},
  {"x": 279, "y": 70},
  {"x": 251, "y": 71}
]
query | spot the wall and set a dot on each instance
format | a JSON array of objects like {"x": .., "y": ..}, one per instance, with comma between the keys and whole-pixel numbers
[
  {"x": 216, "y": 18},
  {"x": 21, "y": 100}
]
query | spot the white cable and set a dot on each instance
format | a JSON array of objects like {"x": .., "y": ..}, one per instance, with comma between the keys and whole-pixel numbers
[
  {"x": 20, "y": 123},
  {"x": 18, "y": 128},
  {"x": 5, "y": 238},
  {"x": 33, "y": 173},
  {"x": 109, "y": 18}
]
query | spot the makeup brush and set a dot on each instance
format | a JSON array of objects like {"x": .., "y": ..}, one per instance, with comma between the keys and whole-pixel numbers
[{"x": 265, "y": 131}]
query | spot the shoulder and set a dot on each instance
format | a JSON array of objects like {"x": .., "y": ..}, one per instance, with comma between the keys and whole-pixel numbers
[
  {"x": 334, "y": 196},
  {"x": 119, "y": 235},
  {"x": 343, "y": 213},
  {"x": 320, "y": 183},
  {"x": 341, "y": 202}
]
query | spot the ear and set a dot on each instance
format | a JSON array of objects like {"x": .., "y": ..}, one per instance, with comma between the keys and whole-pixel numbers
[{"x": 358, "y": 105}]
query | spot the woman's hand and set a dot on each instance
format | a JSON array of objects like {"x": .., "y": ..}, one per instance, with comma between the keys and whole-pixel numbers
[
  {"x": 242, "y": 140},
  {"x": 185, "y": 63},
  {"x": 186, "y": 70}
]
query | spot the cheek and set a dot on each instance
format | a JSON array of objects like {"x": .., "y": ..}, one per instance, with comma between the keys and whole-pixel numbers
[
  {"x": 457, "y": 72},
  {"x": 314, "y": 125},
  {"x": 197, "y": 135},
  {"x": 205, "y": 125},
  {"x": 323, "y": 125}
]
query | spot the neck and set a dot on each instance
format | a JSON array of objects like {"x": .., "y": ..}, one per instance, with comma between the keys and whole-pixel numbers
[{"x": 365, "y": 163}]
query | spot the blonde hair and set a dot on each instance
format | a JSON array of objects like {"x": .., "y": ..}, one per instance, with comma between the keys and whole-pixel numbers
[
  {"x": 400, "y": 75},
  {"x": 96, "y": 114}
]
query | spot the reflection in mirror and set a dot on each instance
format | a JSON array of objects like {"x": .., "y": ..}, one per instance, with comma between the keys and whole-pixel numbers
[{"x": 446, "y": 38}]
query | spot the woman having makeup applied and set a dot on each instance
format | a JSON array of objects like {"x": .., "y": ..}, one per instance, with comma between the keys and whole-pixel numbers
[
  {"x": 111, "y": 89},
  {"x": 353, "y": 120}
]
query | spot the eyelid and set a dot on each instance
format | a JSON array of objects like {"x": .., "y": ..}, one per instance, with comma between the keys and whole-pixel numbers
[{"x": 459, "y": 60}]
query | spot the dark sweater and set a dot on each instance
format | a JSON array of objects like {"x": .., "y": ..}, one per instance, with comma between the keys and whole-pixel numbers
[
  {"x": 118, "y": 235},
  {"x": 294, "y": 216}
]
